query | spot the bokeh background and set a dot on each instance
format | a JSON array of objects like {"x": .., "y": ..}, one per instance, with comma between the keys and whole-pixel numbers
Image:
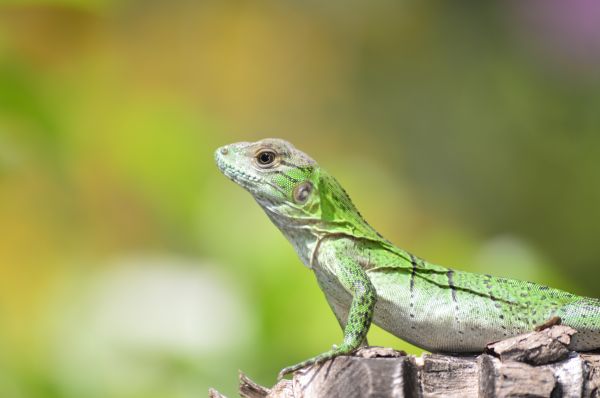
[{"x": 466, "y": 132}]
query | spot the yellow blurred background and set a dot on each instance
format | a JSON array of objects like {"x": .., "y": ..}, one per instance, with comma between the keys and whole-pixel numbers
[{"x": 466, "y": 133}]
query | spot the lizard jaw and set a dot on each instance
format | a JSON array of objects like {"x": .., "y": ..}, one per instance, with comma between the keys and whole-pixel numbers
[{"x": 235, "y": 174}]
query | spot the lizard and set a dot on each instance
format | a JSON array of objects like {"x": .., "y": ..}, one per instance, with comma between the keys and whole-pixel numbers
[{"x": 365, "y": 278}]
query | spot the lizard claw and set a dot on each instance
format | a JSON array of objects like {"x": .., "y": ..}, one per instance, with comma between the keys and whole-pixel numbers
[
  {"x": 281, "y": 375},
  {"x": 343, "y": 349},
  {"x": 290, "y": 369}
]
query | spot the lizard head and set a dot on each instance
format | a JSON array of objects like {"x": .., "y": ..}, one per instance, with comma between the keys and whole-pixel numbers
[
  {"x": 291, "y": 187},
  {"x": 279, "y": 176}
]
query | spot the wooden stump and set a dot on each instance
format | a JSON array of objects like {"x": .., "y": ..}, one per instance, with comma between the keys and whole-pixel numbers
[{"x": 537, "y": 364}]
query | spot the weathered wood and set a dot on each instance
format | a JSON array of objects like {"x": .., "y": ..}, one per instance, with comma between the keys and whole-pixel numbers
[
  {"x": 446, "y": 376},
  {"x": 249, "y": 389},
  {"x": 535, "y": 348},
  {"x": 212, "y": 393},
  {"x": 389, "y": 377},
  {"x": 518, "y": 380},
  {"x": 537, "y": 364},
  {"x": 591, "y": 365}
]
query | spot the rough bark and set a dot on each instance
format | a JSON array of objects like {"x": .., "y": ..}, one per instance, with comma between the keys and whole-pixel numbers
[{"x": 537, "y": 364}]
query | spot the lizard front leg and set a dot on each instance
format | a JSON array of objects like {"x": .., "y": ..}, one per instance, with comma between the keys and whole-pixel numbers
[
  {"x": 355, "y": 279},
  {"x": 341, "y": 312}
]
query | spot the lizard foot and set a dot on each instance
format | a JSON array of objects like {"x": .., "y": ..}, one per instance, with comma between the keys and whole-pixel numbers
[{"x": 336, "y": 351}]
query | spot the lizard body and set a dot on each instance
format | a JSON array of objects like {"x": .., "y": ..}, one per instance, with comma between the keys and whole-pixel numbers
[{"x": 367, "y": 279}]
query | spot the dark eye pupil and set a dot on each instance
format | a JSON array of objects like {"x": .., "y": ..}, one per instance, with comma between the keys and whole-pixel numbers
[{"x": 266, "y": 157}]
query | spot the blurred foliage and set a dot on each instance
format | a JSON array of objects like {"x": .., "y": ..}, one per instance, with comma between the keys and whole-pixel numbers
[{"x": 466, "y": 132}]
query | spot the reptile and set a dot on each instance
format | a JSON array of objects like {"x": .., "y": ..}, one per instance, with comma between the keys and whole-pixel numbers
[{"x": 366, "y": 279}]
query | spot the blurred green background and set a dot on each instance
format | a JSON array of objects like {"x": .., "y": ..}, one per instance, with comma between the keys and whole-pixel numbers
[{"x": 466, "y": 132}]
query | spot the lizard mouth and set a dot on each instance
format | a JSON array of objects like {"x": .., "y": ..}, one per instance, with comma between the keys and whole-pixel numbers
[{"x": 235, "y": 174}]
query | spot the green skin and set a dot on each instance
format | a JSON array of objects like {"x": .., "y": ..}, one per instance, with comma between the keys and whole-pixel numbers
[{"x": 367, "y": 279}]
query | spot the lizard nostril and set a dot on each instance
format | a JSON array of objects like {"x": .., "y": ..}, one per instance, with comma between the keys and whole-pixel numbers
[{"x": 224, "y": 151}]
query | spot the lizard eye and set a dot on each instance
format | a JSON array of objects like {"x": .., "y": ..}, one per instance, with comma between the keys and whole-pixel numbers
[
  {"x": 265, "y": 158},
  {"x": 302, "y": 192}
]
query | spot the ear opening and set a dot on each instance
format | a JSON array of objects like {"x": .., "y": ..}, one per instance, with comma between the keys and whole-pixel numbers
[{"x": 302, "y": 192}]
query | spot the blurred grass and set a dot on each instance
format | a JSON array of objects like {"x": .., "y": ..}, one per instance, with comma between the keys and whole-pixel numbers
[{"x": 465, "y": 133}]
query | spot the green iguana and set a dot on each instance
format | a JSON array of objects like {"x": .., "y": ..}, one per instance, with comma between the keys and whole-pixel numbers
[{"x": 365, "y": 278}]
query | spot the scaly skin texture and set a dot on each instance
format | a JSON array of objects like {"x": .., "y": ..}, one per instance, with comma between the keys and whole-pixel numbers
[{"x": 367, "y": 279}]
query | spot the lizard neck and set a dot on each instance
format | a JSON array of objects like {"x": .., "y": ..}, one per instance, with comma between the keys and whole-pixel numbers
[
  {"x": 331, "y": 213},
  {"x": 300, "y": 233}
]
